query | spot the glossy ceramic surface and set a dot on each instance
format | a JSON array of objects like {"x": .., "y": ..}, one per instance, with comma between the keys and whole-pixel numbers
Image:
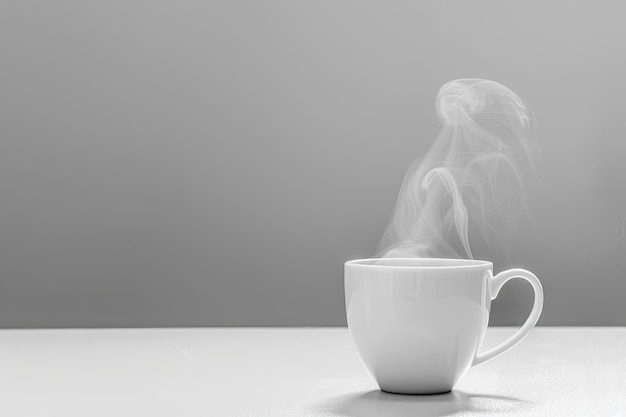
[{"x": 418, "y": 323}]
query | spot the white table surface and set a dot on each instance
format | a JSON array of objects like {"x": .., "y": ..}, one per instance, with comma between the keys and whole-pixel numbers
[{"x": 293, "y": 372}]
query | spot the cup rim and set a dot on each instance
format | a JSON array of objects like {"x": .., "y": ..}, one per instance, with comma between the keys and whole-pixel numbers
[{"x": 430, "y": 263}]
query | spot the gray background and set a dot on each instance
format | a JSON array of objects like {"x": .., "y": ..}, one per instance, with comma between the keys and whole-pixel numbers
[{"x": 214, "y": 163}]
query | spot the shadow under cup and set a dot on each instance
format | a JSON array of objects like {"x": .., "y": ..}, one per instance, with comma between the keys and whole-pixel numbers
[{"x": 417, "y": 323}]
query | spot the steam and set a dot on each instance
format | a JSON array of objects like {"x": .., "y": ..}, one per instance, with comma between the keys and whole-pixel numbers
[{"x": 471, "y": 178}]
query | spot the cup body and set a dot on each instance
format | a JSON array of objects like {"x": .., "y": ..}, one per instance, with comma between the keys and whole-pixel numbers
[{"x": 417, "y": 323}]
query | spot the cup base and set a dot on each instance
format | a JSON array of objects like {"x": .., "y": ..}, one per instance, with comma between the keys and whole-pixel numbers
[{"x": 411, "y": 392}]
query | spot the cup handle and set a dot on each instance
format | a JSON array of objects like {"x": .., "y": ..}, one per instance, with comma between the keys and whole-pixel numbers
[{"x": 495, "y": 285}]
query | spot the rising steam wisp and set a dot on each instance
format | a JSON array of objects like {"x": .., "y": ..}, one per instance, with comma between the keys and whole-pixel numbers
[{"x": 470, "y": 179}]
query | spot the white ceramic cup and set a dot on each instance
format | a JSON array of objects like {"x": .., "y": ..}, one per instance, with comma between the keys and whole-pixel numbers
[{"x": 418, "y": 323}]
